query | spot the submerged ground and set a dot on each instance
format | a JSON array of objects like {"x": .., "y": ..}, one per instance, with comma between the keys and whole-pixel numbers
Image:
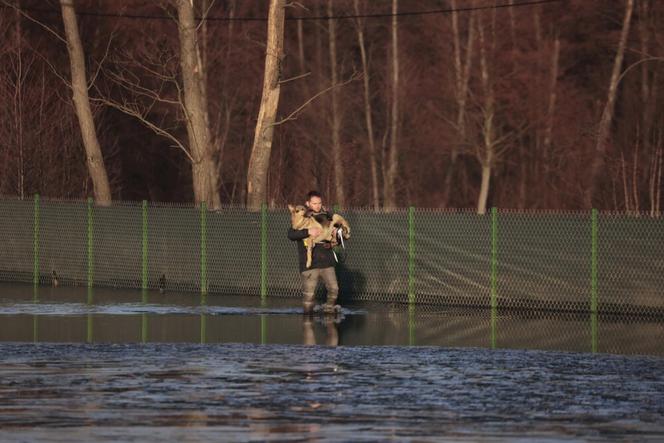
[{"x": 123, "y": 366}]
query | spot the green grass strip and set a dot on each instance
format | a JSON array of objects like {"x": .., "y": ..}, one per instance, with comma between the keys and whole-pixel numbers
[
  {"x": 90, "y": 244},
  {"x": 494, "y": 257},
  {"x": 204, "y": 282},
  {"x": 35, "y": 243},
  {"x": 144, "y": 254},
  {"x": 263, "y": 250},
  {"x": 411, "y": 255},
  {"x": 593, "y": 263}
]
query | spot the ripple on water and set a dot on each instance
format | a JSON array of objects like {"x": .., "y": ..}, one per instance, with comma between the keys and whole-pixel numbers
[{"x": 252, "y": 391}]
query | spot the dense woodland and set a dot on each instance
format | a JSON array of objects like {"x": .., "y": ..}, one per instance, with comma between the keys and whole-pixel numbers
[{"x": 381, "y": 103}]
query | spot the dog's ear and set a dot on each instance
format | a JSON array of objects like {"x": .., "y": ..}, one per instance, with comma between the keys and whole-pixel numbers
[{"x": 291, "y": 208}]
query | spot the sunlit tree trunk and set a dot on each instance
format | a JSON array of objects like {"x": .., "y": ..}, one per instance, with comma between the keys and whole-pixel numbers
[
  {"x": 368, "y": 111},
  {"x": 204, "y": 167},
  {"x": 262, "y": 146},
  {"x": 389, "y": 182},
  {"x": 487, "y": 152},
  {"x": 604, "y": 129},
  {"x": 95, "y": 159},
  {"x": 336, "y": 117}
]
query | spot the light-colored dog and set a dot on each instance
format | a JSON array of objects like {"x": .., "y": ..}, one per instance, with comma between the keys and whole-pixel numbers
[{"x": 328, "y": 229}]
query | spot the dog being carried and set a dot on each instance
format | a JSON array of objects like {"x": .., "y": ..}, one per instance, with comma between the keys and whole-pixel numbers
[{"x": 330, "y": 229}]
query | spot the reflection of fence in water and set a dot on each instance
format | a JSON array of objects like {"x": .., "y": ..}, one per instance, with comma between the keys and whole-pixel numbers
[
  {"x": 522, "y": 260},
  {"x": 370, "y": 325}
]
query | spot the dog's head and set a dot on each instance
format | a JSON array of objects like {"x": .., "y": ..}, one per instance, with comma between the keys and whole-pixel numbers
[{"x": 297, "y": 216}]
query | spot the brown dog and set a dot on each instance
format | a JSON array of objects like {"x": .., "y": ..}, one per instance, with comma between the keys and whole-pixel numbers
[{"x": 328, "y": 230}]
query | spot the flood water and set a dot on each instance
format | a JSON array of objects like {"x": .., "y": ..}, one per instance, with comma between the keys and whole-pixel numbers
[{"x": 114, "y": 365}]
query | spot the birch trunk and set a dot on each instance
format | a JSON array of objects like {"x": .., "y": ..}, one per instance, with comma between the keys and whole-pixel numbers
[
  {"x": 392, "y": 164},
  {"x": 259, "y": 161},
  {"x": 94, "y": 157},
  {"x": 488, "y": 137},
  {"x": 204, "y": 167},
  {"x": 607, "y": 114},
  {"x": 336, "y": 117},
  {"x": 368, "y": 111}
]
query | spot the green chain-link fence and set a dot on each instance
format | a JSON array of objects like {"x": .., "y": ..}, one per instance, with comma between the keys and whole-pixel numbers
[{"x": 574, "y": 261}]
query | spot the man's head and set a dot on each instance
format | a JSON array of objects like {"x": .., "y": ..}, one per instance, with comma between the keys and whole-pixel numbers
[{"x": 314, "y": 201}]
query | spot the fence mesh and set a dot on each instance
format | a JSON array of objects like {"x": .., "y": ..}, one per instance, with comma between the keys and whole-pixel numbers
[{"x": 583, "y": 261}]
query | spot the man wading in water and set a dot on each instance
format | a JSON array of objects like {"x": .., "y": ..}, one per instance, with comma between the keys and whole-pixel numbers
[{"x": 323, "y": 261}]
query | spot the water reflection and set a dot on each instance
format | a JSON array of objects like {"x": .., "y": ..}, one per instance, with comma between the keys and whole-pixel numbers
[
  {"x": 112, "y": 316},
  {"x": 331, "y": 332}
]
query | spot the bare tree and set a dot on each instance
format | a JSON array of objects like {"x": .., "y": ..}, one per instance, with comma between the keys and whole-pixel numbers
[
  {"x": 373, "y": 163},
  {"x": 462, "y": 70},
  {"x": 392, "y": 167},
  {"x": 336, "y": 117},
  {"x": 604, "y": 129},
  {"x": 259, "y": 161},
  {"x": 204, "y": 168},
  {"x": 79, "y": 84}
]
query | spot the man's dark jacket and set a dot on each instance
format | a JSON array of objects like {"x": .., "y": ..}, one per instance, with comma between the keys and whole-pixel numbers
[{"x": 321, "y": 256}]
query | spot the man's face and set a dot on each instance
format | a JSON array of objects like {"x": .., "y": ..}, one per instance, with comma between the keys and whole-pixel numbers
[{"x": 315, "y": 204}]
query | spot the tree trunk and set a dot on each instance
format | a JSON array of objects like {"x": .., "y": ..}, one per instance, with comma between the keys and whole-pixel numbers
[
  {"x": 367, "y": 112},
  {"x": 204, "y": 168},
  {"x": 393, "y": 159},
  {"x": 95, "y": 159},
  {"x": 488, "y": 136},
  {"x": 548, "y": 130},
  {"x": 18, "y": 104},
  {"x": 462, "y": 76},
  {"x": 336, "y": 117},
  {"x": 262, "y": 146},
  {"x": 484, "y": 188},
  {"x": 607, "y": 115}
]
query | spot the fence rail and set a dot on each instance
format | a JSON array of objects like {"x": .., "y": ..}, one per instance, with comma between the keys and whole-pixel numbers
[{"x": 568, "y": 261}]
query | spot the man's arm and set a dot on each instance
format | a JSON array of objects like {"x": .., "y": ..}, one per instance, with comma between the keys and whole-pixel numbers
[
  {"x": 297, "y": 234},
  {"x": 301, "y": 234}
]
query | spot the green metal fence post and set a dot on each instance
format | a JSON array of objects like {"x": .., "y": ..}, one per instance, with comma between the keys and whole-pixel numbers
[
  {"x": 35, "y": 242},
  {"x": 494, "y": 257},
  {"x": 593, "y": 263},
  {"x": 144, "y": 248},
  {"x": 90, "y": 244},
  {"x": 411, "y": 255},
  {"x": 263, "y": 251},
  {"x": 204, "y": 282}
]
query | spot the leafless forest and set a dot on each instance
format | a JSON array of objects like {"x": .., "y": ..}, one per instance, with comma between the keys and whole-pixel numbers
[{"x": 377, "y": 103}]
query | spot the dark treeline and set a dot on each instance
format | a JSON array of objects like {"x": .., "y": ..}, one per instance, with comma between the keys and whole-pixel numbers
[{"x": 529, "y": 106}]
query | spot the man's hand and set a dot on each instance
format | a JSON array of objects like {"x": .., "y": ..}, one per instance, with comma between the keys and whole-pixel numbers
[{"x": 314, "y": 232}]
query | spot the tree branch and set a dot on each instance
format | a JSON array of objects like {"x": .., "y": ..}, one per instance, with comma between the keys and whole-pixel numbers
[{"x": 292, "y": 115}]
